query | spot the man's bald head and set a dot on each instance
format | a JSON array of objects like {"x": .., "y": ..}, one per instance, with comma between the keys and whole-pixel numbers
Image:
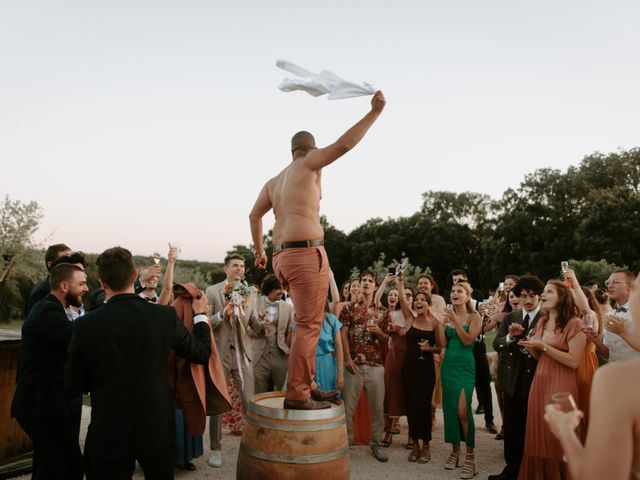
[{"x": 302, "y": 141}]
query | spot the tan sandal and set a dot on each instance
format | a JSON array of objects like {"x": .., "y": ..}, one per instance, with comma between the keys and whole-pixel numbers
[
  {"x": 469, "y": 467},
  {"x": 452, "y": 462},
  {"x": 415, "y": 453},
  {"x": 425, "y": 454}
]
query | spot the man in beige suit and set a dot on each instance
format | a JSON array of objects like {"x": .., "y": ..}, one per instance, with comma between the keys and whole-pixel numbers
[
  {"x": 270, "y": 350},
  {"x": 232, "y": 339}
]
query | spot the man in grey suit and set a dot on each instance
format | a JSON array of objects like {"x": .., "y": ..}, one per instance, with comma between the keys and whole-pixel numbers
[
  {"x": 232, "y": 340},
  {"x": 270, "y": 350}
]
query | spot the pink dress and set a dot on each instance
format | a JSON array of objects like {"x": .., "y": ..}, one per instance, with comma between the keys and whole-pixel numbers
[
  {"x": 394, "y": 405},
  {"x": 542, "y": 452}
]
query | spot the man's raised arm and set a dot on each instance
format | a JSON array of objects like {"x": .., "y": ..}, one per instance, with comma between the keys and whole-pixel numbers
[
  {"x": 262, "y": 206},
  {"x": 321, "y": 157}
]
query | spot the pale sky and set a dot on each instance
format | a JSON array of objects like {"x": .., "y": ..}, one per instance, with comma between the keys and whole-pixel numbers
[{"x": 142, "y": 122}]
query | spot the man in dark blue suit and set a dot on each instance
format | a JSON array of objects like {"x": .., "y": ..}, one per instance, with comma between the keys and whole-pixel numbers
[
  {"x": 119, "y": 353},
  {"x": 41, "y": 289},
  {"x": 41, "y": 405}
]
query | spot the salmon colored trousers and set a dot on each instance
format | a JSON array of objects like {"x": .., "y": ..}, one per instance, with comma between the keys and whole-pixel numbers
[{"x": 304, "y": 273}]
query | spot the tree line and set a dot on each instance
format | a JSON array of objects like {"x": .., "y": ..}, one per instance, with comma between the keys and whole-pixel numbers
[{"x": 589, "y": 213}]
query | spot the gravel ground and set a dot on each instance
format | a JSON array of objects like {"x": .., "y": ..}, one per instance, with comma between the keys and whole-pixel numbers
[{"x": 489, "y": 459}]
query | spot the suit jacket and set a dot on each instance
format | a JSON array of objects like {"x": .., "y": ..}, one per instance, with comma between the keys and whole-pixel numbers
[
  {"x": 520, "y": 366},
  {"x": 37, "y": 293},
  {"x": 40, "y": 393},
  {"x": 119, "y": 353},
  {"x": 284, "y": 320},
  {"x": 222, "y": 327}
]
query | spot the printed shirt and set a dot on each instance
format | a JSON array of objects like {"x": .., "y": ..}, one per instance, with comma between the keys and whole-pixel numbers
[{"x": 365, "y": 347}]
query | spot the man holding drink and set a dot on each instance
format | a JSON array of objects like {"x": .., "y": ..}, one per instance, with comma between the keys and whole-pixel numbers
[{"x": 519, "y": 373}]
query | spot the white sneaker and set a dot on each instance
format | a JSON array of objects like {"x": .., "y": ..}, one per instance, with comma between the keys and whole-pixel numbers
[{"x": 215, "y": 459}]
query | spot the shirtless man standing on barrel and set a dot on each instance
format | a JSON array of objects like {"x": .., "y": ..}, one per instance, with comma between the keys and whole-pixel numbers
[{"x": 299, "y": 257}]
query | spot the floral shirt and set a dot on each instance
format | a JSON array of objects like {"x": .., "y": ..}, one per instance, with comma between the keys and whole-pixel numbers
[{"x": 365, "y": 347}]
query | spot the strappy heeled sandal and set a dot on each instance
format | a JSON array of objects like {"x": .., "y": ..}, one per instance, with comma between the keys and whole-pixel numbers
[
  {"x": 409, "y": 444},
  {"x": 469, "y": 467},
  {"x": 386, "y": 440},
  {"x": 425, "y": 455},
  {"x": 415, "y": 453},
  {"x": 452, "y": 462}
]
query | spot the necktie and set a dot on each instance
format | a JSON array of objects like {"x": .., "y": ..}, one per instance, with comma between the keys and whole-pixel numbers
[
  {"x": 526, "y": 322},
  {"x": 621, "y": 309}
]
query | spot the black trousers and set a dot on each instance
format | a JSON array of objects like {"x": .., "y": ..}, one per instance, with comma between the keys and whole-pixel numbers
[
  {"x": 156, "y": 466},
  {"x": 56, "y": 449},
  {"x": 483, "y": 380},
  {"x": 515, "y": 424}
]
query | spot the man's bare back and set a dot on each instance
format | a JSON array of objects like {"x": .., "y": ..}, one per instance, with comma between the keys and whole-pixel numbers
[{"x": 295, "y": 193}]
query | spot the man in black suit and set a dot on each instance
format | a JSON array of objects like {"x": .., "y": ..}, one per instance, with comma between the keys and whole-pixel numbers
[
  {"x": 42, "y": 289},
  {"x": 41, "y": 405},
  {"x": 119, "y": 354},
  {"x": 519, "y": 373}
]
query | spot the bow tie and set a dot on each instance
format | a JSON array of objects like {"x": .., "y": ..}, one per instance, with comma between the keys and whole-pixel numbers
[
  {"x": 270, "y": 303},
  {"x": 621, "y": 309}
]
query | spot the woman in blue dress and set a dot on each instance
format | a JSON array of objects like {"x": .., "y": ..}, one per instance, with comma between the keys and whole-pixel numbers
[{"x": 329, "y": 360}]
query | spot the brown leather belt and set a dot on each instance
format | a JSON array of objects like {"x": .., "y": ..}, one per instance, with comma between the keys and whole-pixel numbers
[{"x": 300, "y": 244}]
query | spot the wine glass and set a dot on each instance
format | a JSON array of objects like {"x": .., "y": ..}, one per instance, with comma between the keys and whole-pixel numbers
[
  {"x": 176, "y": 248},
  {"x": 156, "y": 258},
  {"x": 447, "y": 322},
  {"x": 564, "y": 401},
  {"x": 530, "y": 336},
  {"x": 420, "y": 342},
  {"x": 370, "y": 323},
  {"x": 589, "y": 320}
]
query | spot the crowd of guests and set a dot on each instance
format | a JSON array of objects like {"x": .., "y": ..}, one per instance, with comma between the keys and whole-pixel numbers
[{"x": 408, "y": 348}]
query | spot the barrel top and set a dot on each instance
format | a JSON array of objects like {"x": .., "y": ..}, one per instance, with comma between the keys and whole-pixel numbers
[
  {"x": 271, "y": 405},
  {"x": 10, "y": 336}
]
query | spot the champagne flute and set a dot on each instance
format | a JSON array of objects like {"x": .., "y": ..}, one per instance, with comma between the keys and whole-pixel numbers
[{"x": 156, "y": 258}]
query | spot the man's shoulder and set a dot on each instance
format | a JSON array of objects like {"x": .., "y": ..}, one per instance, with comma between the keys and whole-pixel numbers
[
  {"x": 215, "y": 286},
  {"x": 512, "y": 314}
]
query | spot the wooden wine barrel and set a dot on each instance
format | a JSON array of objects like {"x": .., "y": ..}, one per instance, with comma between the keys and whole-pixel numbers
[
  {"x": 15, "y": 445},
  {"x": 292, "y": 444}
]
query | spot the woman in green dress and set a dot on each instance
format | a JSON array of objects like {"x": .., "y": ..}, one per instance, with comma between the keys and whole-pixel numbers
[{"x": 458, "y": 335}]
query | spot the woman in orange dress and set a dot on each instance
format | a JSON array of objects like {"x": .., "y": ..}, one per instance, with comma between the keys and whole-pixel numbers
[
  {"x": 558, "y": 346},
  {"x": 588, "y": 308}
]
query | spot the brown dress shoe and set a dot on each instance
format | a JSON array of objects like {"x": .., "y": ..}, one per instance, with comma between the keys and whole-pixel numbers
[
  {"x": 491, "y": 428},
  {"x": 307, "y": 404},
  {"x": 329, "y": 395}
]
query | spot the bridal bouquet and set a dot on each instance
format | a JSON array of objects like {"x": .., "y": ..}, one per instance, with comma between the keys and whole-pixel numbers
[{"x": 236, "y": 295}]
